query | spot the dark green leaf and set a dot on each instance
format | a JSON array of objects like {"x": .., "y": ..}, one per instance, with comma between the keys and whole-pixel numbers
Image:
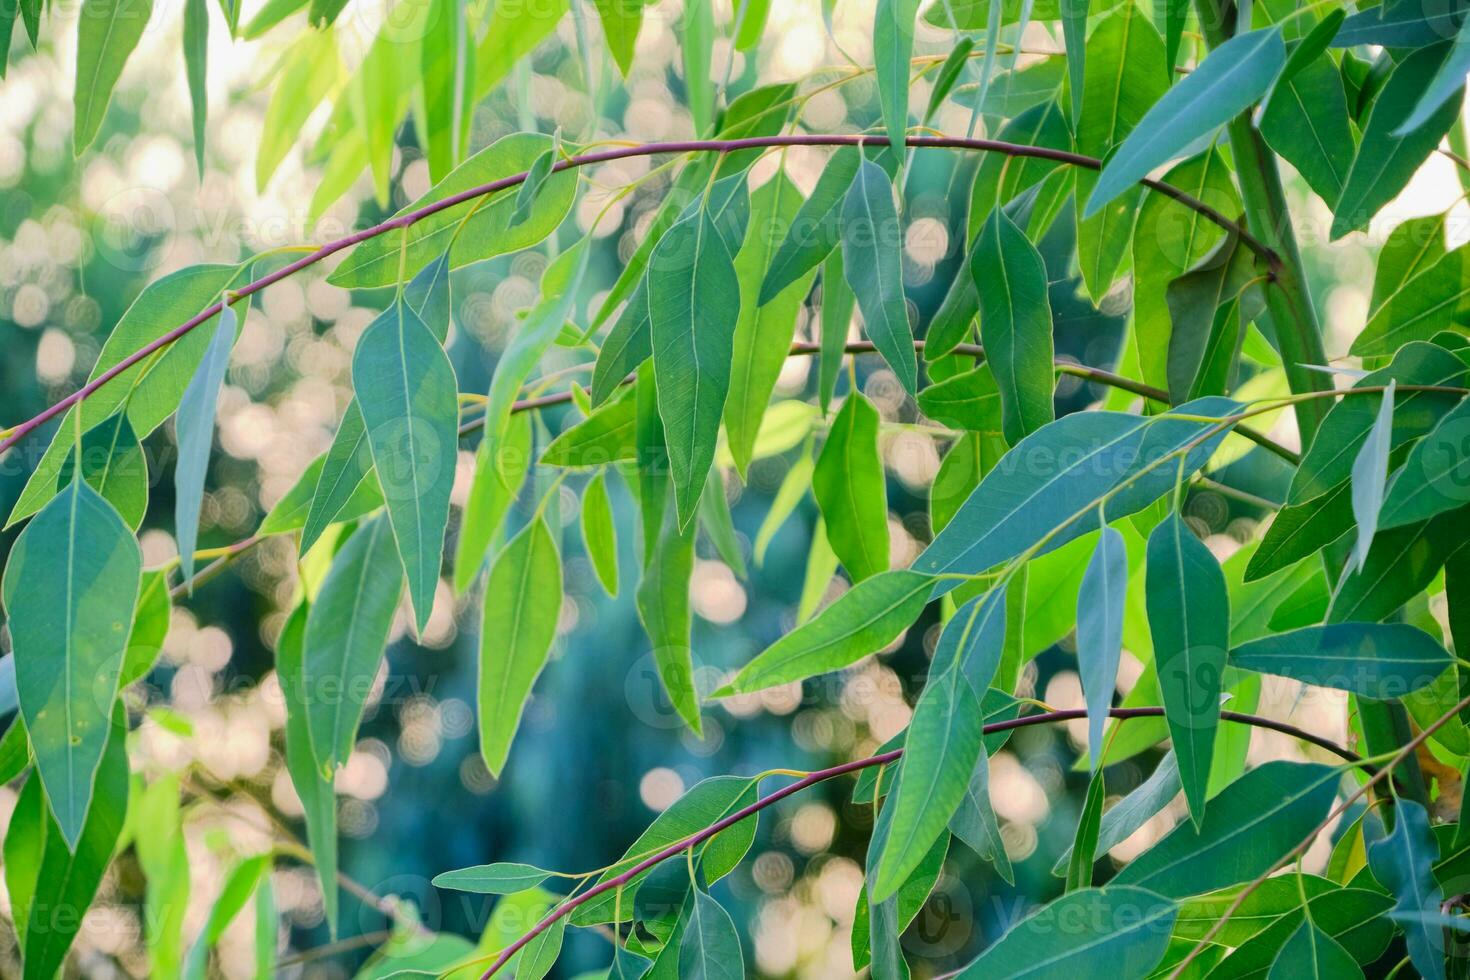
[
  {"x": 1403, "y": 861},
  {"x": 1302, "y": 529},
  {"x": 1370, "y": 475},
  {"x": 1436, "y": 476},
  {"x": 1123, "y": 818},
  {"x": 1100, "y": 604},
  {"x": 850, "y": 489},
  {"x": 1015, "y": 324},
  {"x": 1307, "y": 122},
  {"x": 1425, "y": 296},
  {"x": 1377, "y": 660},
  {"x": 893, "y": 47},
  {"x": 872, "y": 244},
  {"x": 1310, "y": 952},
  {"x": 966, "y": 401},
  {"x": 1248, "y": 827},
  {"x": 817, "y": 227},
  {"x": 114, "y": 465},
  {"x": 1084, "y": 844}
]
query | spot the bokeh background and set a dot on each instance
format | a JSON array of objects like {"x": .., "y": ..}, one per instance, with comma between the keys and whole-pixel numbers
[{"x": 599, "y": 753}]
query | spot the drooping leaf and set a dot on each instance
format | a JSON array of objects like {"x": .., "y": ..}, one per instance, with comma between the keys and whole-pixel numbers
[
  {"x": 343, "y": 476},
  {"x": 1235, "y": 75},
  {"x": 52, "y": 881},
  {"x": 314, "y": 788},
  {"x": 1385, "y": 159},
  {"x": 346, "y": 631},
  {"x": 196, "y": 437},
  {"x": 693, "y": 306},
  {"x": 1403, "y": 861},
  {"x": 943, "y": 742},
  {"x": 107, "y": 33},
  {"x": 69, "y": 588},
  {"x": 165, "y": 864},
  {"x": 1084, "y": 843},
  {"x": 872, "y": 242},
  {"x": 600, "y": 534},
  {"x": 447, "y": 66},
  {"x": 1401, "y": 563},
  {"x": 1123, "y": 818},
  {"x": 1100, "y": 605},
  {"x": 764, "y": 331},
  {"x": 500, "y": 470},
  {"x": 621, "y": 22},
  {"x": 1206, "y": 322},
  {"x": 407, "y": 392},
  {"x": 114, "y": 465},
  {"x": 1090, "y": 455},
  {"x": 1247, "y": 828},
  {"x": 484, "y": 234},
  {"x": 1310, "y": 952},
  {"x": 710, "y": 948},
  {"x": 1189, "y": 618},
  {"x": 309, "y": 70},
  {"x": 238, "y": 886},
  {"x": 1370, "y": 475},
  {"x": 817, "y": 228},
  {"x": 1015, "y": 324},
  {"x": 1116, "y": 930},
  {"x": 196, "y": 57},
  {"x": 862, "y": 621},
  {"x": 522, "y": 604},
  {"x": 150, "y": 628},
  {"x": 893, "y": 47},
  {"x": 849, "y": 486}
]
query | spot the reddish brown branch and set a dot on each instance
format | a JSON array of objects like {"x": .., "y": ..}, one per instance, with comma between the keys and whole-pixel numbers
[{"x": 602, "y": 156}]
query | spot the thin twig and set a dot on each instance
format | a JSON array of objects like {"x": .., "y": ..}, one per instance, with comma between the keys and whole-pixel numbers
[
  {"x": 693, "y": 840},
  {"x": 409, "y": 218}
]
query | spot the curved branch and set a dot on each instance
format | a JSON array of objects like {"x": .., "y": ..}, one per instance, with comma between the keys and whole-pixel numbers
[
  {"x": 409, "y": 218},
  {"x": 822, "y": 775}
]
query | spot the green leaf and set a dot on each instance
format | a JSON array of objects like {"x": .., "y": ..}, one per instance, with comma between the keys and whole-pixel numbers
[
  {"x": 850, "y": 489},
  {"x": 895, "y": 914},
  {"x": 309, "y": 70},
  {"x": 522, "y": 606},
  {"x": 1100, "y": 604},
  {"x": 693, "y": 308},
  {"x": 1235, "y": 75},
  {"x": 148, "y": 391},
  {"x": 1425, "y": 300},
  {"x": 863, "y": 620},
  {"x": 837, "y": 302},
  {"x": 500, "y": 470},
  {"x": 239, "y": 885},
  {"x": 447, "y": 67},
  {"x": 52, "y": 882},
  {"x": 314, "y": 788},
  {"x": 1189, "y": 617},
  {"x": 606, "y": 436},
  {"x": 196, "y": 438},
  {"x": 486, "y": 230},
  {"x": 973, "y": 641},
  {"x": 1001, "y": 178},
  {"x": 872, "y": 243},
  {"x": 944, "y": 740},
  {"x": 1351, "y": 916},
  {"x": 196, "y": 55},
  {"x": 893, "y": 47},
  {"x": 1248, "y": 827},
  {"x": 764, "y": 331},
  {"x": 1436, "y": 476},
  {"x": 493, "y": 879},
  {"x": 150, "y": 627},
  {"x": 1310, "y": 952},
  {"x": 1206, "y": 321},
  {"x": 969, "y": 400},
  {"x": 1403, "y": 861},
  {"x": 1015, "y": 324},
  {"x": 159, "y": 844},
  {"x": 541, "y": 953},
  {"x": 1448, "y": 83},
  {"x": 114, "y": 465},
  {"x": 536, "y": 178},
  {"x": 817, "y": 228},
  {"x": 1306, "y": 121},
  {"x": 1385, "y": 159},
  {"x": 1084, "y": 457},
  {"x": 1074, "y": 38},
  {"x": 706, "y": 802},
  {"x": 1302, "y": 529},
  {"x": 407, "y": 392},
  {"x": 107, "y": 32},
  {"x": 975, "y": 823},
  {"x": 1370, "y": 475},
  {"x": 600, "y": 533},
  {"x": 1122, "y": 819},
  {"x": 1376, "y": 660},
  {"x": 1401, "y": 563},
  {"x": 344, "y": 483},
  {"x": 710, "y": 949},
  {"x": 1084, "y": 844},
  {"x": 346, "y": 632},
  {"x": 1116, "y": 930},
  {"x": 69, "y": 588},
  {"x": 1329, "y": 459},
  {"x": 1401, "y": 24},
  {"x": 621, "y": 21}
]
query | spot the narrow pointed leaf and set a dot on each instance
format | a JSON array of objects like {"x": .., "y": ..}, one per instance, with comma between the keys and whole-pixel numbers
[
  {"x": 408, "y": 396},
  {"x": 1403, "y": 861},
  {"x": 1370, "y": 475},
  {"x": 1436, "y": 476},
  {"x": 1448, "y": 83},
  {"x": 492, "y": 879},
  {"x": 1376, "y": 660},
  {"x": 196, "y": 438},
  {"x": 522, "y": 604},
  {"x": 600, "y": 534},
  {"x": 344, "y": 478},
  {"x": 500, "y": 470},
  {"x": 1189, "y": 617},
  {"x": 107, "y": 33},
  {"x": 849, "y": 485},
  {"x": 1100, "y": 603},
  {"x": 1123, "y": 818},
  {"x": 1084, "y": 844},
  {"x": 817, "y": 228},
  {"x": 1235, "y": 75},
  {"x": 1015, "y": 324},
  {"x": 872, "y": 244},
  {"x": 196, "y": 55},
  {"x": 893, "y": 47},
  {"x": 346, "y": 632}
]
